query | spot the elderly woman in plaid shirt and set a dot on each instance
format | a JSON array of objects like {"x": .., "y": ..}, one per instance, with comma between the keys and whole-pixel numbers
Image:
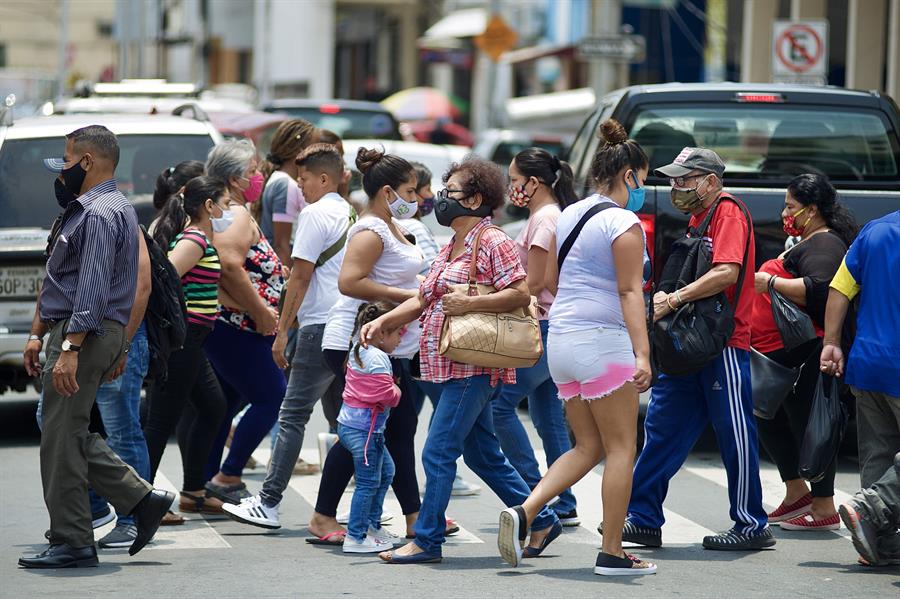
[{"x": 462, "y": 422}]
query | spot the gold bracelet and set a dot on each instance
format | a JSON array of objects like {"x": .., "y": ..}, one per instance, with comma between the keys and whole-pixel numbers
[{"x": 669, "y": 302}]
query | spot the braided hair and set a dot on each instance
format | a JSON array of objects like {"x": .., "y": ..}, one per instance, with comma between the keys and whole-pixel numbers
[{"x": 366, "y": 313}]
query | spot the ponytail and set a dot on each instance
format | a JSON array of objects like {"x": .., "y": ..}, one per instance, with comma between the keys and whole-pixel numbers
[
  {"x": 171, "y": 221},
  {"x": 186, "y": 205},
  {"x": 549, "y": 170},
  {"x": 366, "y": 313}
]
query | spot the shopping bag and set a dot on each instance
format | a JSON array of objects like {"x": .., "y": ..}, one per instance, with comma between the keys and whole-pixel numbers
[
  {"x": 824, "y": 431},
  {"x": 794, "y": 325}
]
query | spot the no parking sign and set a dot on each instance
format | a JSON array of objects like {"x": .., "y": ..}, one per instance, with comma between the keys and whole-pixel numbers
[{"x": 800, "y": 52}]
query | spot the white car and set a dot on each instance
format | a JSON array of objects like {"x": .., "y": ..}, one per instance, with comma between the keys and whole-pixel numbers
[
  {"x": 147, "y": 144},
  {"x": 437, "y": 158}
]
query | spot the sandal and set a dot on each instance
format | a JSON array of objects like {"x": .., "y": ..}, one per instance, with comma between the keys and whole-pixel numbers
[
  {"x": 227, "y": 494},
  {"x": 332, "y": 538},
  {"x": 199, "y": 505},
  {"x": 452, "y": 529},
  {"x": 171, "y": 519}
]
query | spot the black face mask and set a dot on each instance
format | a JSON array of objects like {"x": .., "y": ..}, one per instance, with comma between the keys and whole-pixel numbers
[
  {"x": 446, "y": 209},
  {"x": 63, "y": 195},
  {"x": 73, "y": 177}
]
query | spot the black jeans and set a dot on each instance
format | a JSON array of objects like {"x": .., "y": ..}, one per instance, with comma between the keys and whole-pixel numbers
[
  {"x": 781, "y": 437},
  {"x": 190, "y": 380},
  {"x": 399, "y": 438}
]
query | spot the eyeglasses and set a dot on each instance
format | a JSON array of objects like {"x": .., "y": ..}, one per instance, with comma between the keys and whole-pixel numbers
[
  {"x": 682, "y": 182},
  {"x": 444, "y": 194}
]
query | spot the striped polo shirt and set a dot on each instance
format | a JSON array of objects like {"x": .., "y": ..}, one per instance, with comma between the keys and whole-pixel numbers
[{"x": 201, "y": 282}]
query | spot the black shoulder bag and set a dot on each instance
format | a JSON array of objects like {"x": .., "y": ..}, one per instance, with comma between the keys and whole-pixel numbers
[{"x": 695, "y": 334}]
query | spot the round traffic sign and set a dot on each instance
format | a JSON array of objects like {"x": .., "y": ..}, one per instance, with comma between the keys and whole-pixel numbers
[{"x": 799, "y": 48}]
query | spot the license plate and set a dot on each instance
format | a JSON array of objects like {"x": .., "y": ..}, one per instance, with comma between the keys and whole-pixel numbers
[{"x": 20, "y": 282}]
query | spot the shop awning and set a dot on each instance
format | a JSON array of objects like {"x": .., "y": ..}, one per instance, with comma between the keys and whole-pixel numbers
[{"x": 456, "y": 26}]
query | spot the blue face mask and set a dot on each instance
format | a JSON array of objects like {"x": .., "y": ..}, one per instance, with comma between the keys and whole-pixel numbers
[{"x": 635, "y": 196}]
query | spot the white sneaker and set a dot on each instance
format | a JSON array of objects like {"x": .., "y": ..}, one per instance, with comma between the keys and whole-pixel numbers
[
  {"x": 326, "y": 442},
  {"x": 383, "y": 535},
  {"x": 462, "y": 487},
  {"x": 345, "y": 517},
  {"x": 367, "y": 545},
  {"x": 252, "y": 511}
]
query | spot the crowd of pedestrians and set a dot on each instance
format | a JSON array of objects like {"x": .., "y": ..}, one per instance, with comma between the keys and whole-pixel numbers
[{"x": 260, "y": 289}]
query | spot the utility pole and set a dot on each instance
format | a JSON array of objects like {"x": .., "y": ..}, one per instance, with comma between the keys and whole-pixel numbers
[
  {"x": 63, "y": 48},
  {"x": 606, "y": 17}
]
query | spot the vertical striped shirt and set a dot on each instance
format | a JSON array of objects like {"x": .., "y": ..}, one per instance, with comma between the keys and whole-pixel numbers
[
  {"x": 93, "y": 263},
  {"x": 201, "y": 282}
]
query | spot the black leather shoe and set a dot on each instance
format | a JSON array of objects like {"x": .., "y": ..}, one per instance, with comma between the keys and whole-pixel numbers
[
  {"x": 147, "y": 514},
  {"x": 62, "y": 556}
]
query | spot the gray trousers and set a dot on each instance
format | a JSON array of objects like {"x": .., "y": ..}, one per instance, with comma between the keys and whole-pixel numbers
[
  {"x": 71, "y": 457},
  {"x": 882, "y": 506},
  {"x": 878, "y": 431},
  {"x": 310, "y": 378}
]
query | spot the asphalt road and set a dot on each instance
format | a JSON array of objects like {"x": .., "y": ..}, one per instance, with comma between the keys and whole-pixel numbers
[{"x": 215, "y": 557}]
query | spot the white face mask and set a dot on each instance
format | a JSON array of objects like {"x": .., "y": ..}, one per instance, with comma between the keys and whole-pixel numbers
[
  {"x": 223, "y": 222},
  {"x": 402, "y": 209}
]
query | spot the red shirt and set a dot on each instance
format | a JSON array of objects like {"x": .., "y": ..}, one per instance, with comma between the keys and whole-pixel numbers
[
  {"x": 498, "y": 265},
  {"x": 727, "y": 236},
  {"x": 765, "y": 337}
]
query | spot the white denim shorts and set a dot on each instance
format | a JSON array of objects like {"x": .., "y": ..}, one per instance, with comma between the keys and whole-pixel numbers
[{"x": 591, "y": 363}]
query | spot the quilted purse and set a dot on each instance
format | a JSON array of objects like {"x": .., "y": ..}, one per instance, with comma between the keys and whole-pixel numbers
[{"x": 491, "y": 339}]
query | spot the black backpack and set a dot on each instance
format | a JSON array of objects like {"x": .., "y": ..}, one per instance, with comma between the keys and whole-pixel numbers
[
  {"x": 166, "y": 316},
  {"x": 685, "y": 341}
]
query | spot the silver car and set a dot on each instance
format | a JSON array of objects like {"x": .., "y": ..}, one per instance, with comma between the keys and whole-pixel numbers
[{"x": 28, "y": 207}]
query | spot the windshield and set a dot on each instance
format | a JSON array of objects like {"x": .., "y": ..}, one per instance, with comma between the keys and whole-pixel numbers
[
  {"x": 348, "y": 123},
  {"x": 773, "y": 141},
  {"x": 26, "y": 188}
]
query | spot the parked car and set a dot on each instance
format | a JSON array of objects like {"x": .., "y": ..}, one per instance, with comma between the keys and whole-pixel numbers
[
  {"x": 351, "y": 119},
  {"x": 148, "y": 144},
  {"x": 437, "y": 158},
  {"x": 502, "y": 145},
  {"x": 766, "y": 134}
]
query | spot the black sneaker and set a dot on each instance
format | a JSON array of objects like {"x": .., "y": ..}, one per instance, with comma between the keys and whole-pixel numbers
[
  {"x": 569, "y": 518},
  {"x": 862, "y": 531},
  {"x": 639, "y": 535},
  {"x": 732, "y": 540},
  {"x": 612, "y": 565}
]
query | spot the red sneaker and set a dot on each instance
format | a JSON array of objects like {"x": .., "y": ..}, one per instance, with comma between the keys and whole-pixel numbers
[
  {"x": 801, "y": 507},
  {"x": 806, "y": 522}
]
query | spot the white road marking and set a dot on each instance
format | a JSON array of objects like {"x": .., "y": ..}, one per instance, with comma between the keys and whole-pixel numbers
[
  {"x": 307, "y": 486},
  {"x": 196, "y": 533}
]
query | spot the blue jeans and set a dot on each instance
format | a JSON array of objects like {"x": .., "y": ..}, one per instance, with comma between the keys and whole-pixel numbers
[
  {"x": 119, "y": 402},
  {"x": 372, "y": 481},
  {"x": 549, "y": 419},
  {"x": 463, "y": 425}
]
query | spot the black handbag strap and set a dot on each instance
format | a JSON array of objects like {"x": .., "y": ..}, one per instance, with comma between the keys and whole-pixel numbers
[
  {"x": 570, "y": 240},
  {"x": 705, "y": 225}
]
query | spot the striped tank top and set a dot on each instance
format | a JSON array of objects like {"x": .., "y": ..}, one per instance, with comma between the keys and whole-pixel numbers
[{"x": 201, "y": 282}]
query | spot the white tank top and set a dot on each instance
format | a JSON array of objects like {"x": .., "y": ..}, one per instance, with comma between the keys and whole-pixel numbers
[{"x": 397, "y": 266}]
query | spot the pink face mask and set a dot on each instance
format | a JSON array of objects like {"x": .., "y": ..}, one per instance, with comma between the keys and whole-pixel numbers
[{"x": 254, "y": 190}]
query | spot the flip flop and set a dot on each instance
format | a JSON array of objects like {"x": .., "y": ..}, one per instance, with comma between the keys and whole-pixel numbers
[
  {"x": 335, "y": 538},
  {"x": 424, "y": 557},
  {"x": 227, "y": 494},
  {"x": 555, "y": 531}
]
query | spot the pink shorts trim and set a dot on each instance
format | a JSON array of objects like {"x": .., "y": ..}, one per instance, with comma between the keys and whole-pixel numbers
[{"x": 615, "y": 376}]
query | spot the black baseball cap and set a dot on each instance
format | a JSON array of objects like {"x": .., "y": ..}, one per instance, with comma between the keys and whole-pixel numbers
[{"x": 693, "y": 159}]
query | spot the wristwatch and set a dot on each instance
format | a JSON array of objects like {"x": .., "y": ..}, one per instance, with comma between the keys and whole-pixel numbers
[
  {"x": 69, "y": 346},
  {"x": 36, "y": 338}
]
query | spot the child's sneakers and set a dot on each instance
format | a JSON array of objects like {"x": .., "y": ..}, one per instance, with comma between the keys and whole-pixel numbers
[{"x": 368, "y": 545}]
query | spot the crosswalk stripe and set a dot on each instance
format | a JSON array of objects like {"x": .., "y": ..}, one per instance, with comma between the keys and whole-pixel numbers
[
  {"x": 195, "y": 533},
  {"x": 677, "y": 530},
  {"x": 307, "y": 487},
  {"x": 772, "y": 487}
]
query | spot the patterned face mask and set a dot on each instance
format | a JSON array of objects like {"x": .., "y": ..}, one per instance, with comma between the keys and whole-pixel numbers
[{"x": 517, "y": 195}]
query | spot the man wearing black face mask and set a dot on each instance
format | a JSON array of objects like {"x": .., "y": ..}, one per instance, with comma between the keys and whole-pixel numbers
[
  {"x": 682, "y": 405},
  {"x": 85, "y": 305}
]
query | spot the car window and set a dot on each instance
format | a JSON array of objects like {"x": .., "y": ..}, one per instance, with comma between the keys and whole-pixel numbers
[
  {"x": 773, "y": 141},
  {"x": 26, "y": 188},
  {"x": 348, "y": 123}
]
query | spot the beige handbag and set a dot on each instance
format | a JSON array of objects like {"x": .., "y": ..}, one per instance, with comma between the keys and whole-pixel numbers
[{"x": 491, "y": 339}]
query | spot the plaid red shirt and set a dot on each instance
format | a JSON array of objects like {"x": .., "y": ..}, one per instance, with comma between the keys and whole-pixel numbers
[{"x": 498, "y": 265}]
